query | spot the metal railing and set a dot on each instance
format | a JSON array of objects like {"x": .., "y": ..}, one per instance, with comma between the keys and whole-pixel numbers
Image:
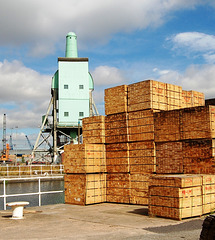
[
  {"x": 30, "y": 170},
  {"x": 39, "y": 193}
]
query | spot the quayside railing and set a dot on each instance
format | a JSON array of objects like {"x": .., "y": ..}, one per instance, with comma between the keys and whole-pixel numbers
[
  {"x": 38, "y": 179},
  {"x": 30, "y": 170}
]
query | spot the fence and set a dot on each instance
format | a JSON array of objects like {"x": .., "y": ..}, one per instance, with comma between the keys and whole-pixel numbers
[
  {"x": 6, "y": 181},
  {"x": 31, "y": 170}
]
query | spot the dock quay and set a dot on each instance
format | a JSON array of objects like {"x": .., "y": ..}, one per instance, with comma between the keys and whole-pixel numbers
[{"x": 98, "y": 221}]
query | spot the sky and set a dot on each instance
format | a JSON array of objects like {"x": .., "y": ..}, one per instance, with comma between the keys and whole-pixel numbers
[{"x": 171, "y": 41}]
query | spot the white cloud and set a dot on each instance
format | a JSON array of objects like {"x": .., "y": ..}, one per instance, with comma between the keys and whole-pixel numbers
[
  {"x": 105, "y": 75},
  {"x": 195, "y": 43},
  {"x": 197, "y": 78},
  {"x": 41, "y": 24},
  {"x": 24, "y": 94}
]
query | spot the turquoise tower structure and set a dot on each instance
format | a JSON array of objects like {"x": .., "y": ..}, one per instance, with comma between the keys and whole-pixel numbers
[{"x": 71, "y": 90}]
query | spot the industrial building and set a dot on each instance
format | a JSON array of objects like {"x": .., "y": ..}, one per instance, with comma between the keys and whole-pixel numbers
[{"x": 71, "y": 100}]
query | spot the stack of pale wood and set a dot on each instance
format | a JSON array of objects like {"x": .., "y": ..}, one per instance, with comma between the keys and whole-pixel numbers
[
  {"x": 174, "y": 96},
  {"x": 85, "y": 178},
  {"x": 192, "y": 99},
  {"x": 181, "y": 196}
]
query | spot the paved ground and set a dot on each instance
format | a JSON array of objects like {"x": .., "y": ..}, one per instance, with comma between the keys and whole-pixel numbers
[{"x": 100, "y": 221}]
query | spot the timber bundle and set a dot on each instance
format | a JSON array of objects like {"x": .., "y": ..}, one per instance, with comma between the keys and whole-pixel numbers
[{"x": 155, "y": 147}]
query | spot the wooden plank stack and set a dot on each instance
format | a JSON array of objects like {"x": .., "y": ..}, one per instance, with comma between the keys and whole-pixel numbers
[
  {"x": 93, "y": 129},
  {"x": 84, "y": 158},
  {"x": 175, "y": 197},
  {"x": 147, "y": 95},
  {"x": 139, "y": 184},
  {"x": 184, "y": 140},
  {"x": 83, "y": 189},
  {"x": 150, "y": 127},
  {"x": 85, "y": 168},
  {"x": 118, "y": 187},
  {"x": 141, "y": 126},
  {"x": 174, "y": 96},
  {"x": 198, "y": 122},
  {"x": 208, "y": 192},
  {"x": 116, "y": 99},
  {"x": 116, "y": 128},
  {"x": 169, "y": 157},
  {"x": 142, "y": 157},
  {"x": 198, "y": 156},
  {"x": 192, "y": 99},
  {"x": 117, "y": 158},
  {"x": 181, "y": 196}
]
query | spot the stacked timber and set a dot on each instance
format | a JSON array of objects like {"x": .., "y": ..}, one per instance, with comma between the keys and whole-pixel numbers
[
  {"x": 117, "y": 149},
  {"x": 169, "y": 157},
  {"x": 208, "y": 192},
  {"x": 192, "y": 99},
  {"x": 116, "y": 128},
  {"x": 116, "y": 99},
  {"x": 198, "y": 122},
  {"x": 85, "y": 179},
  {"x": 147, "y": 95},
  {"x": 175, "y": 196},
  {"x": 84, "y": 158},
  {"x": 181, "y": 196},
  {"x": 117, "y": 158},
  {"x": 83, "y": 189},
  {"x": 199, "y": 156},
  {"x": 118, "y": 187},
  {"x": 93, "y": 129},
  {"x": 139, "y": 184},
  {"x": 141, "y": 126},
  {"x": 142, "y": 157},
  {"x": 184, "y": 140},
  {"x": 128, "y": 188},
  {"x": 174, "y": 96}
]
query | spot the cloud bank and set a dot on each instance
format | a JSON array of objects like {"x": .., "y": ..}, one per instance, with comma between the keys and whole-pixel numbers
[
  {"x": 25, "y": 94},
  {"x": 94, "y": 21}
]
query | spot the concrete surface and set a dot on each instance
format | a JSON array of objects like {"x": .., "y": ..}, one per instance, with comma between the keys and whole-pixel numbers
[{"x": 100, "y": 221}]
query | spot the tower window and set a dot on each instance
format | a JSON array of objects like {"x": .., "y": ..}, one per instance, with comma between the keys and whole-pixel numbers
[
  {"x": 66, "y": 86},
  {"x": 81, "y": 86},
  {"x": 81, "y": 114},
  {"x": 66, "y": 114}
]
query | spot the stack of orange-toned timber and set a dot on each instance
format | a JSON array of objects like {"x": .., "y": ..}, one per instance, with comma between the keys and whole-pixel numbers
[
  {"x": 130, "y": 150},
  {"x": 147, "y": 131},
  {"x": 185, "y": 140},
  {"x": 181, "y": 196},
  {"x": 85, "y": 166},
  {"x": 117, "y": 149}
]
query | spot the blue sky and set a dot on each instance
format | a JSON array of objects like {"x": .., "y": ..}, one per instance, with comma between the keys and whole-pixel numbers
[{"x": 171, "y": 41}]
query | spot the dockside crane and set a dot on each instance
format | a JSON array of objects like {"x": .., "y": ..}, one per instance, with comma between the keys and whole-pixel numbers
[
  {"x": 29, "y": 143},
  {"x": 6, "y": 146}
]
